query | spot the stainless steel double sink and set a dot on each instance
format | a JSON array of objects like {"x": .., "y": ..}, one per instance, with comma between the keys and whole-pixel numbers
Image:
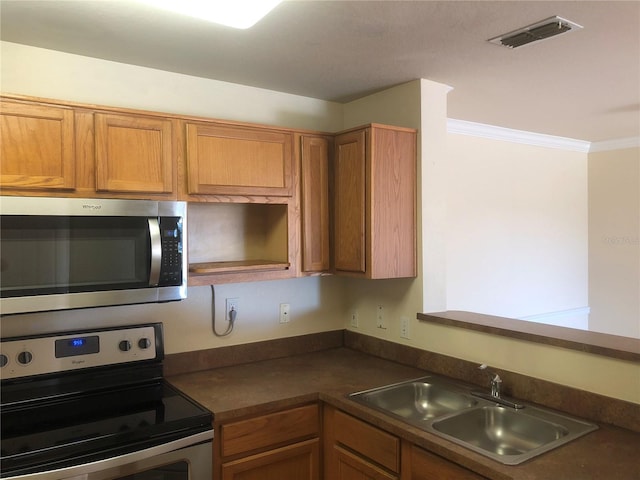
[{"x": 452, "y": 411}]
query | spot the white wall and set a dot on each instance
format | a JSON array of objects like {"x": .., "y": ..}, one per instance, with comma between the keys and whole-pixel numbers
[
  {"x": 517, "y": 228},
  {"x": 614, "y": 242}
]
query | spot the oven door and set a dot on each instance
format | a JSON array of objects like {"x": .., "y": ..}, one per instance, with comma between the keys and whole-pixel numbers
[{"x": 189, "y": 458}]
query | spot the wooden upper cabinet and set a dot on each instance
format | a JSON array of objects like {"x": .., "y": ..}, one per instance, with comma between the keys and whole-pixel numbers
[
  {"x": 133, "y": 154},
  {"x": 236, "y": 160},
  {"x": 349, "y": 202},
  {"x": 315, "y": 152},
  {"x": 36, "y": 147},
  {"x": 375, "y": 185}
]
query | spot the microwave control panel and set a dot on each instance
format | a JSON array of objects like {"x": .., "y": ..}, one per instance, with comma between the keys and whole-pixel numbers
[{"x": 171, "y": 239}]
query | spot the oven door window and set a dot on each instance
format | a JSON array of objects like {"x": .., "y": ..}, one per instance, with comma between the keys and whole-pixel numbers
[
  {"x": 174, "y": 471},
  {"x": 51, "y": 255}
]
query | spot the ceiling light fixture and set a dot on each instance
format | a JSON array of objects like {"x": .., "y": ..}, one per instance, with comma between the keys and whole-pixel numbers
[
  {"x": 542, "y": 30},
  {"x": 232, "y": 13}
]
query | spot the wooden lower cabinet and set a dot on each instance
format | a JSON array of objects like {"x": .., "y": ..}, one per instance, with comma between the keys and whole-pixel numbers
[
  {"x": 356, "y": 450},
  {"x": 283, "y": 445},
  {"x": 299, "y": 461},
  {"x": 349, "y": 466},
  {"x": 418, "y": 464}
]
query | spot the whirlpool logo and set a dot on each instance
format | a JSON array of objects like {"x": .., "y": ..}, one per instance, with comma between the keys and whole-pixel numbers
[{"x": 89, "y": 206}]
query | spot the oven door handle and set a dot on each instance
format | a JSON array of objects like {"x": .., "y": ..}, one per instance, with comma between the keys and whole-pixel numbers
[{"x": 156, "y": 251}]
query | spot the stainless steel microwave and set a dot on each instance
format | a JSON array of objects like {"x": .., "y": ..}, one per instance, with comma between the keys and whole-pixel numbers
[{"x": 65, "y": 253}]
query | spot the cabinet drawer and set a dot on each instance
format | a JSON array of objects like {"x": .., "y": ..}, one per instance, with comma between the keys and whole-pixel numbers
[
  {"x": 300, "y": 461},
  {"x": 427, "y": 466},
  {"x": 379, "y": 446},
  {"x": 269, "y": 430}
]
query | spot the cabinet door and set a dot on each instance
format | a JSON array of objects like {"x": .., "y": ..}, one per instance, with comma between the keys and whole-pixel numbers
[
  {"x": 349, "y": 202},
  {"x": 351, "y": 467},
  {"x": 353, "y": 449},
  {"x": 300, "y": 461},
  {"x": 392, "y": 208},
  {"x": 133, "y": 154},
  {"x": 314, "y": 167},
  {"x": 232, "y": 160},
  {"x": 427, "y": 466},
  {"x": 36, "y": 146},
  {"x": 375, "y": 202}
]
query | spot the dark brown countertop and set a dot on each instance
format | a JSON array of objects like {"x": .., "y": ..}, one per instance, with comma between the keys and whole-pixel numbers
[{"x": 261, "y": 387}]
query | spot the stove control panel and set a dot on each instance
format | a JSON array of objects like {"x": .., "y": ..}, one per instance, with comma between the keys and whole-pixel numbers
[{"x": 59, "y": 352}]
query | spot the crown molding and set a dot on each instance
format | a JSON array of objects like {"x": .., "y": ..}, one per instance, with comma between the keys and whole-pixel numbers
[
  {"x": 617, "y": 144},
  {"x": 492, "y": 132}
]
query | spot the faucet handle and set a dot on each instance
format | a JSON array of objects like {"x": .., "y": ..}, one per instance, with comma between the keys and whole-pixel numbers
[
  {"x": 484, "y": 366},
  {"x": 496, "y": 381}
]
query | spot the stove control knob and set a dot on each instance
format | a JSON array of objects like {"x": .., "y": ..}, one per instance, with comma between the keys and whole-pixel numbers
[
  {"x": 25, "y": 357},
  {"x": 3, "y": 360},
  {"x": 144, "y": 343},
  {"x": 124, "y": 345}
]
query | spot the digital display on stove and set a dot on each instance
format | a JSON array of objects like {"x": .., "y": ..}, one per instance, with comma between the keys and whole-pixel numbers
[{"x": 70, "y": 347}]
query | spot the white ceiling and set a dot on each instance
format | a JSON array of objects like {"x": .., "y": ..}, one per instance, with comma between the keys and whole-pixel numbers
[{"x": 583, "y": 85}]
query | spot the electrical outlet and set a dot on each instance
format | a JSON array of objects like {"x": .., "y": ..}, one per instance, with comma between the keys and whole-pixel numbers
[
  {"x": 284, "y": 313},
  {"x": 231, "y": 304},
  {"x": 380, "y": 317},
  {"x": 404, "y": 327},
  {"x": 354, "y": 319}
]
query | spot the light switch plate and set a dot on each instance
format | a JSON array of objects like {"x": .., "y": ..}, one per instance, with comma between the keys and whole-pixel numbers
[{"x": 284, "y": 312}]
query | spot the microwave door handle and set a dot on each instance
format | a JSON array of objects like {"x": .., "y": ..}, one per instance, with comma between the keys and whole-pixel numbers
[{"x": 156, "y": 251}]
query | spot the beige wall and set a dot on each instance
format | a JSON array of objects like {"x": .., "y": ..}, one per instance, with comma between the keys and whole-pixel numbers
[
  {"x": 555, "y": 182},
  {"x": 317, "y": 304},
  {"x": 50, "y": 74},
  {"x": 614, "y": 242}
]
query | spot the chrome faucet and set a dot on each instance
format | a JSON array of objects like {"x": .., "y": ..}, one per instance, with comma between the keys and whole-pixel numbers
[
  {"x": 496, "y": 390},
  {"x": 495, "y": 381}
]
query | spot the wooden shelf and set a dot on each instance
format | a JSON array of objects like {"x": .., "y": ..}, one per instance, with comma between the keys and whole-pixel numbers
[{"x": 208, "y": 268}]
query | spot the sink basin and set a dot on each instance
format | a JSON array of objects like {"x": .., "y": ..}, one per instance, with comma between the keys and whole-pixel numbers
[
  {"x": 416, "y": 400},
  {"x": 501, "y": 431},
  {"x": 450, "y": 410}
]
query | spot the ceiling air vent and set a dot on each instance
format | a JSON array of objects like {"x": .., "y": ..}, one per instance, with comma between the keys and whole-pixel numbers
[{"x": 534, "y": 33}]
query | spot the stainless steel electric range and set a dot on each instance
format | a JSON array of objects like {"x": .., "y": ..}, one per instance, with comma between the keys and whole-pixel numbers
[{"x": 93, "y": 405}]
